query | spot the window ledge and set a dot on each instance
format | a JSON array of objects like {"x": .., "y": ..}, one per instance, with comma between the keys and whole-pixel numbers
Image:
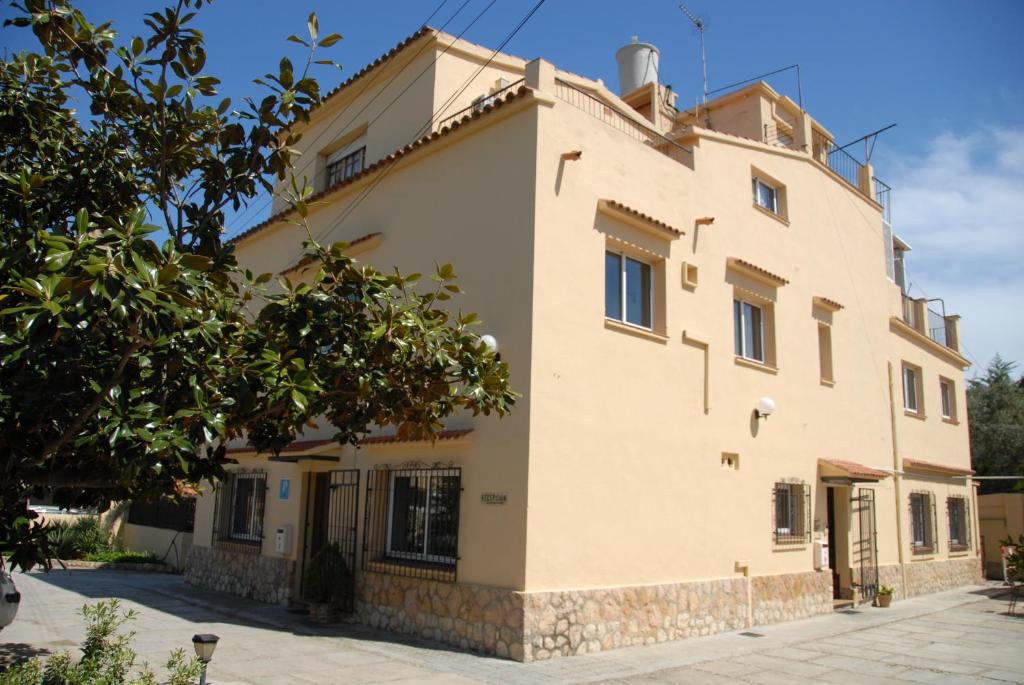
[
  {"x": 827, "y": 383},
  {"x": 793, "y": 547},
  {"x": 751, "y": 364},
  {"x": 782, "y": 220},
  {"x": 952, "y": 422},
  {"x": 914, "y": 415},
  {"x": 612, "y": 324},
  {"x": 923, "y": 553},
  {"x": 958, "y": 553}
]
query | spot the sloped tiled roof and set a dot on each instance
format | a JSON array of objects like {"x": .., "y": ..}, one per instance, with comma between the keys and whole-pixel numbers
[
  {"x": 394, "y": 439},
  {"x": 921, "y": 465},
  {"x": 640, "y": 216},
  {"x": 854, "y": 469}
]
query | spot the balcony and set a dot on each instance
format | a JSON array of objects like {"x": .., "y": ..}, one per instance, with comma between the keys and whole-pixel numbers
[{"x": 934, "y": 323}]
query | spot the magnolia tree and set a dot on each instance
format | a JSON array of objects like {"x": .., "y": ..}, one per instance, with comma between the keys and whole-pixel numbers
[{"x": 126, "y": 364}]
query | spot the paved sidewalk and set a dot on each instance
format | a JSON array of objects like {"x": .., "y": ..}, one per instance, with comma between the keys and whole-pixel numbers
[{"x": 961, "y": 636}]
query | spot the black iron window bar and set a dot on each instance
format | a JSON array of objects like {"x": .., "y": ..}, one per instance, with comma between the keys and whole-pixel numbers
[
  {"x": 240, "y": 503},
  {"x": 791, "y": 513}
]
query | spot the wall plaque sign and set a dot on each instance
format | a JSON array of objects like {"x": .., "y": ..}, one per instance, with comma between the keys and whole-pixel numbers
[{"x": 493, "y": 497}]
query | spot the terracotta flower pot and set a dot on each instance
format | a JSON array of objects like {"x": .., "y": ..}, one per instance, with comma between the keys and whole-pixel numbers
[{"x": 884, "y": 601}]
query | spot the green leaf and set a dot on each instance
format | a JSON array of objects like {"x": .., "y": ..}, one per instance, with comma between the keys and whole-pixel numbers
[
  {"x": 137, "y": 46},
  {"x": 313, "y": 25},
  {"x": 330, "y": 40}
]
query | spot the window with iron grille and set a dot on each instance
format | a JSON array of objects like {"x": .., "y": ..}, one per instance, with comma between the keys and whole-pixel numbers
[
  {"x": 164, "y": 513},
  {"x": 241, "y": 498},
  {"x": 412, "y": 522},
  {"x": 346, "y": 167},
  {"x": 922, "y": 522},
  {"x": 959, "y": 523},
  {"x": 791, "y": 505}
]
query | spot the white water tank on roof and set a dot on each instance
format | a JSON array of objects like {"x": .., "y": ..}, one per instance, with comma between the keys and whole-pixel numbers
[{"x": 638, "y": 65}]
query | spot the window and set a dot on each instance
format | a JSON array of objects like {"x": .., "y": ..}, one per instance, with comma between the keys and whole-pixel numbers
[
  {"x": 912, "y": 401},
  {"x": 345, "y": 165},
  {"x": 164, "y": 513},
  {"x": 922, "y": 529},
  {"x": 792, "y": 507},
  {"x": 959, "y": 524},
  {"x": 412, "y": 522},
  {"x": 748, "y": 320},
  {"x": 825, "y": 353},
  {"x": 765, "y": 195},
  {"x": 628, "y": 295},
  {"x": 240, "y": 502},
  {"x": 948, "y": 396}
]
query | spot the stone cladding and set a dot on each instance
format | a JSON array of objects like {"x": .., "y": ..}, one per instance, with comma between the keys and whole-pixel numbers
[{"x": 246, "y": 574}]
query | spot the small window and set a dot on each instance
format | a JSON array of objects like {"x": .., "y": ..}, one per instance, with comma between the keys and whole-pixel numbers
[
  {"x": 959, "y": 524},
  {"x": 628, "y": 292},
  {"x": 765, "y": 195},
  {"x": 748, "y": 320},
  {"x": 241, "y": 499},
  {"x": 791, "y": 504},
  {"x": 825, "y": 353},
  {"x": 341, "y": 167},
  {"x": 912, "y": 401},
  {"x": 948, "y": 396},
  {"x": 922, "y": 529}
]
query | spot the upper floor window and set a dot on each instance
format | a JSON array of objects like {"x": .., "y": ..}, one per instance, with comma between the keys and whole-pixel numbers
[
  {"x": 343, "y": 165},
  {"x": 748, "y": 322},
  {"x": 948, "y": 397},
  {"x": 912, "y": 401},
  {"x": 765, "y": 195},
  {"x": 628, "y": 291}
]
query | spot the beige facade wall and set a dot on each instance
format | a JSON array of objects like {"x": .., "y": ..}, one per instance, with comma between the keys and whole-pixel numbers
[
  {"x": 613, "y": 461},
  {"x": 169, "y": 545},
  {"x": 999, "y": 516}
]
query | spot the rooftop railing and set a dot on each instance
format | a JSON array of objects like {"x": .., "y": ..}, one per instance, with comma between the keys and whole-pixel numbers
[
  {"x": 934, "y": 323},
  {"x": 478, "y": 105},
  {"x": 600, "y": 110},
  {"x": 836, "y": 158},
  {"x": 883, "y": 196}
]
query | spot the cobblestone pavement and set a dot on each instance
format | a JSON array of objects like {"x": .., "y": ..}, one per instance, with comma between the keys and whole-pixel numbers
[{"x": 961, "y": 636}]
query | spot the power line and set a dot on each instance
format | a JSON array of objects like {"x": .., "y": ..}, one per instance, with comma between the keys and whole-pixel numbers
[
  {"x": 391, "y": 165},
  {"x": 249, "y": 213}
]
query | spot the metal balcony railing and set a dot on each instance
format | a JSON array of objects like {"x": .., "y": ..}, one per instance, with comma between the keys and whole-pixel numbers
[
  {"x": 835, "y": 158},
  {"x": 883, "y": 196},
  {"x": 600, "y": 110}
]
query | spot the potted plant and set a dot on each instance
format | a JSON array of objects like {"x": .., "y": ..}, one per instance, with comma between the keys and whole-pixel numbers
[
  {"x": 327, "y": 580},
  {"x": 885, "y": 596}
]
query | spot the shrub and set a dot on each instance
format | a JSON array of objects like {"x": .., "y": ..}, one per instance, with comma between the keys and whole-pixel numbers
[
  {"x": 122, "y": 556},
  {"x": 327, "y": 577},
  {"x": 74, "y": 540},
  {"x": 107, "y": 657}
]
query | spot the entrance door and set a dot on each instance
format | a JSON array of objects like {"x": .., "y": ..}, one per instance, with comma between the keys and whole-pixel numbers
[
  {"x": 867, "y": 544},
  {"x": 331, "y": 511},
  {"x": 832, "y": 539}
]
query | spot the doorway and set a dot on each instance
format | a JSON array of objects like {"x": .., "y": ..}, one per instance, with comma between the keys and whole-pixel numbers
[
  {"x": 832, "y": 537},
  {"x": 331, "y": 519}
]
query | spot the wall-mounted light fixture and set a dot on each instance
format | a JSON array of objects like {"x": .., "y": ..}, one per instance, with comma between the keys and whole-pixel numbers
[
  {"x": 491, "y": 343},
  {"x": 765, "y": 407}
]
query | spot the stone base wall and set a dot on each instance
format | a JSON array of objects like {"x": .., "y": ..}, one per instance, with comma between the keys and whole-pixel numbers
[
  {"x": 482, "y": 619},
  {"x": 585, "y": 621},
  {"x": 791, "y": 596},
  {"x": 542, "y": 625},
  {"x": 924, "y": 577},
  {"x": 246, "y": 574}
]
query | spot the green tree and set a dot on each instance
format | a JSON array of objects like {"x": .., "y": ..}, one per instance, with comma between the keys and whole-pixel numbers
[
  {"x": 995, "y": 408},
  {"x": 127, "y": 364}
]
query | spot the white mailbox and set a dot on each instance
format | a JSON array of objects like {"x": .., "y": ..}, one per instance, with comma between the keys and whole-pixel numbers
[
  {"x": 283, "y": 539},
  {"x": 820, "y": 554}
]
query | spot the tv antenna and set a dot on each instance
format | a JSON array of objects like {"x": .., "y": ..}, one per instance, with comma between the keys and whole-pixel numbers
[{"x": 698, "y": 23}]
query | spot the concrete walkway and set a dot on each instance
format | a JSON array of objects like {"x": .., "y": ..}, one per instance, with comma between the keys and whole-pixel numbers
[{"x": 961, "y": 636}]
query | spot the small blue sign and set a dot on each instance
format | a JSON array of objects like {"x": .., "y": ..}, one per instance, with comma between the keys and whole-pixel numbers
[{"x": 284, "y": 489}]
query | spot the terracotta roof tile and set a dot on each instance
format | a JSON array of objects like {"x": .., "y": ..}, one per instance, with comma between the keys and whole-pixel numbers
[
  {"x": 854, "y": 469},
  {"x": 297, "y": 446},
  {"x": 827, "y": 303},
  {"x": 385, "y": 161},
  {"x": 644, "y": 217},
  {"x": 764, "y": 273},
  {"x": 394, "y": 439},
  {"x": 309, "y": 259},
  {"x": 921, "y": 465}
]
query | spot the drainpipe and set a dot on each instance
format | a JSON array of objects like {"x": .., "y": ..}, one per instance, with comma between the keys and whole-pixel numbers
[{"x": 897, "y": 481}]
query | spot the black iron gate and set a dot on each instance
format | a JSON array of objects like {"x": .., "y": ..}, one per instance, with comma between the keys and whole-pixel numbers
[
  {"x": 331, "y": 511},
  {"x": 867, "y": 544}
]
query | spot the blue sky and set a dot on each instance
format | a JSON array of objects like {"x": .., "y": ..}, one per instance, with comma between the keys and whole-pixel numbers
[{"x": 950, "y": 74}]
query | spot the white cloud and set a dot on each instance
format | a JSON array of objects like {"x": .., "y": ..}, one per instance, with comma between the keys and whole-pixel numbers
[{"x": 961, "y": 207}]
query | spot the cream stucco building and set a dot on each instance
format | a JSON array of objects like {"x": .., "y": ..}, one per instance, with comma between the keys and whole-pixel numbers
[{"x": 653, "y": 278}]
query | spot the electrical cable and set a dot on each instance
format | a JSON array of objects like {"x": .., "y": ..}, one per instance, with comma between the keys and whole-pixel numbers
[
  {"x": 391, "y": 165},
  {"x": 248, "y": 214}
]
